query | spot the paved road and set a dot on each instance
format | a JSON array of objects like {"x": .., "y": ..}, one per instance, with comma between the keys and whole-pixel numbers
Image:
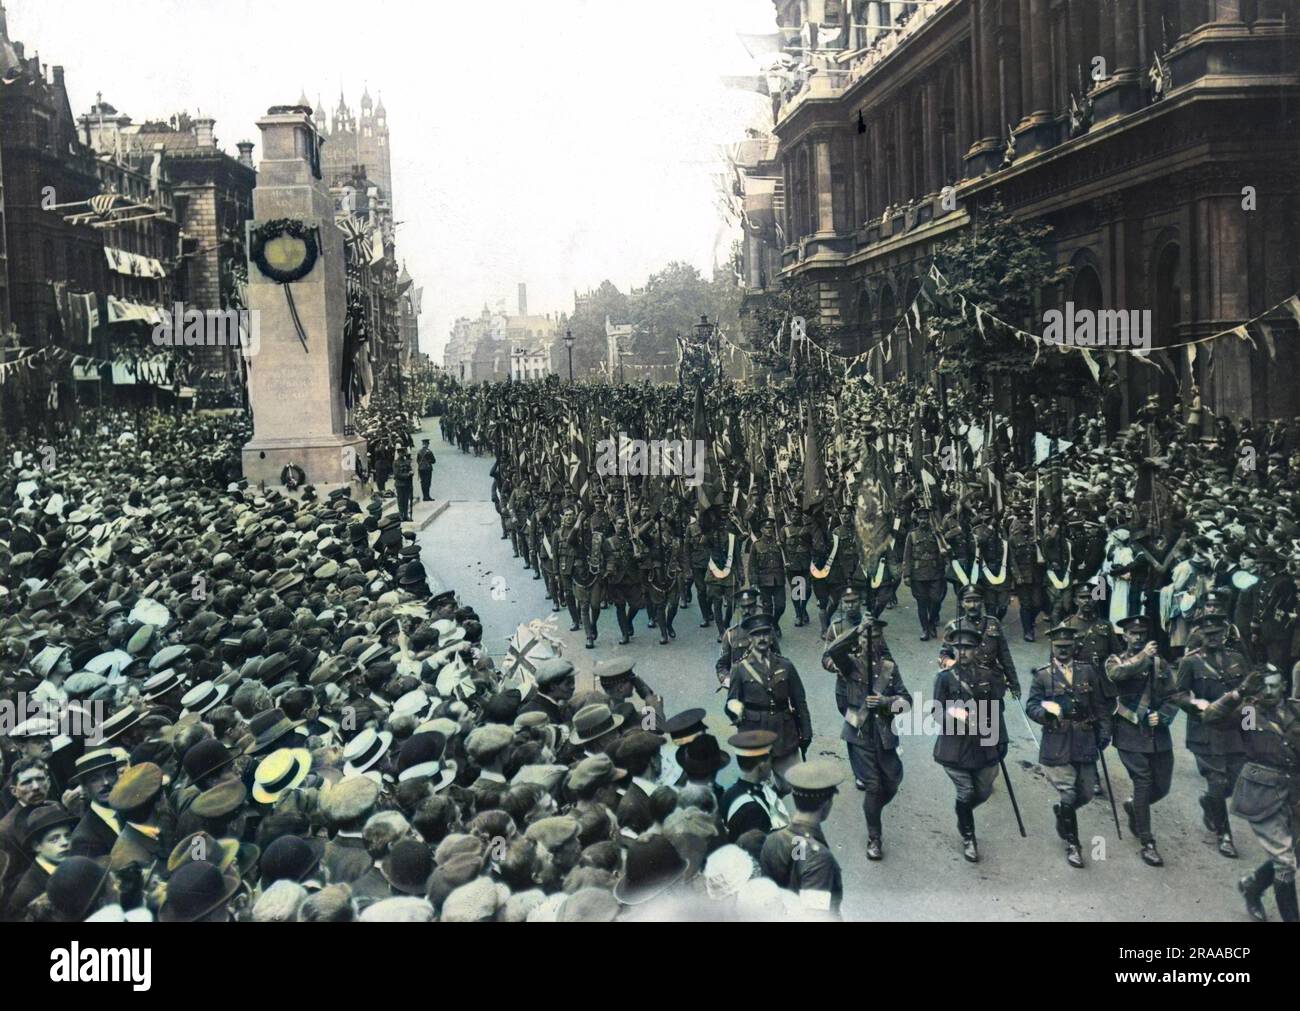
[{"x": 923, "y": 875}]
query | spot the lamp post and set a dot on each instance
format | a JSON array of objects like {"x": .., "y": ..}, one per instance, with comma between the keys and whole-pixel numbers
[
  {"x": 568, "y": 346},
  {"x": 709, "y": 335}
]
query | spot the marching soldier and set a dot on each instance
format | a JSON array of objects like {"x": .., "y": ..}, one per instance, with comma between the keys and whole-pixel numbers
[
  {"x": 752, "y": 801},
  {"x": 1094, "y": 639},
  {"x": 994, "y": 552},
  {"x": 587, "y": 581},
  {"x": 993, "y": 651},
  {"x": 970, "y": 745},
  {"x": 844, "y": 565},
  {"x": 736, "y": 641},
  {"x": 1266, "y": 791},
  {"x": 1026, "y": 574},
  {"x": 618, "y": 566},
  {"x": 923, "y": 572},
  {"x": 797, "y": 857},
  {"x": 697, "y": 553},
  {"x": 664, "y": 568},
  {"x": 869, "y": 693},
  {"x": 1204, "y": 676},
  {"x": 797, "y": 541},
  {"x": 767, "y": 572},
  {"x": 766, "y": 693},
  {"x": 1065, "y": 697},
  {"x": 720, "y": 576},
  {"x": 1140, "y": 727}
]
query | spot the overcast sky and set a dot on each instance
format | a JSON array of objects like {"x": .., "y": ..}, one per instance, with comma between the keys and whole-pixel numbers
[{"x": 555, "y": 142}]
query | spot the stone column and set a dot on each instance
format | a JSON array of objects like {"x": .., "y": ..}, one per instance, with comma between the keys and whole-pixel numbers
[
  {"x": 1036, "y": 130},
  {"x": 873, "y": 21},
  {"x": 298, "y": 411},
  {"x": 986, "y": 151},
  {"x": 1122, "y": 91},
  {"x": 932, "y": 136},
  {"x": 825, "y": 203}
]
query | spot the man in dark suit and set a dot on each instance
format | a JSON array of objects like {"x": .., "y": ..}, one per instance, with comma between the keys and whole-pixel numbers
[
  {"x": 95, "y": 775},
  {"x": 29, "y": 785},
  {"x": 49, "y": 829}
]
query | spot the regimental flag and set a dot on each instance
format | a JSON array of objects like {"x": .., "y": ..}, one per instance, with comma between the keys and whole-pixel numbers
[
  {"x": 578, "y": 474},
  {"x": 814, "y": 467},
  {"x": 709, "y": 491}
]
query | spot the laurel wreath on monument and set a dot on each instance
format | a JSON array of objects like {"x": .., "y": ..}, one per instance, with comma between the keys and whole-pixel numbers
[
  {"x": 287, "y": 261},
  {"x": 285, "y": 250}
]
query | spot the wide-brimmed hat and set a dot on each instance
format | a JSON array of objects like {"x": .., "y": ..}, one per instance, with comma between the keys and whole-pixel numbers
[
  {"x": 279, "y": 772},
  {"x": 291, "y": 858},
  {"x": 44, "y": 818},
  {"x": 702, "y": 757},
  {"x": 593, "y": 721},
  {"x": 365, "y": 750},
  {"x": 74, "y": 886},
  {"x": 653, "y": 866},
  {"x": 195, "y": 890},
  {"x": 203, "y": 846},
  {"x": 203, "y": 696},
  {"x": 206, "y": 757}
]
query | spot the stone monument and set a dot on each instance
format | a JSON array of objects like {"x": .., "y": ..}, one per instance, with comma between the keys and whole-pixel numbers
[{"x": 297, "y": 292}]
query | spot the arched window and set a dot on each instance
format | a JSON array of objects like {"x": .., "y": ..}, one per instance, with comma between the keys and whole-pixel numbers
[{"x": 1086, "y": 293}]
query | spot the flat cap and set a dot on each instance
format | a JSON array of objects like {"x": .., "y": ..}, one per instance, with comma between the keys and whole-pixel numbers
[
  {"x": 484, "y": 743},
  {"x": 552, "y": 833},
  {"x": 138, "y": 785},
  {"x": 551, "y": 671}
]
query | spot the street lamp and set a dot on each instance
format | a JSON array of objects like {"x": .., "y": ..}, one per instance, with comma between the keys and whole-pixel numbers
[
  {"x": 568, "y": 346},
  {"x": 709, "y": 335}
]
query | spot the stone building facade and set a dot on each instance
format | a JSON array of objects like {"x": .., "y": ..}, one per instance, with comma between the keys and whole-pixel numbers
[{"x": 1158, "y": 138}]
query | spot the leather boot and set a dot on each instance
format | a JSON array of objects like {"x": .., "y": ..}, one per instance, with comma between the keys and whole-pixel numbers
[
  {"x": 1073, "y": 851},
  {"x": 966, "y": 826},
  {"x": 1284, "y": 892},
  {"x": 1252, "y": 888},
  {"x": 1062, "y": 825}
]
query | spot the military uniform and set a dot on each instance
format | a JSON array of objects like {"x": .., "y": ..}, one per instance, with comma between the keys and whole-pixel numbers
[
  {"x": 797, "y": 541},
  {"x": 1026, "y": 576},
  {"x": 1220, "y": 749},
  {"x": 663, "y": 558},
  {"x": 798, "y": 857},
  {"x": 697, "y": 554},
  {"x": 995, "y": 568},
  {"x": 1094, "y": 641},
  {"x": 1144, "y": 686},
  {"x": 586, "y": 579},
  {"x": 720, "y": 576},
  {"x": 970, "y": 752},
  {"x": 993, "y": 651},
  {"x": 766, "y": 693},
  {"x": 621, "y": 571},
  {"x": 1267, "y": 792},
  {"x": 767, "y": 573},
  {"x": 923, "y": 573},
  {"x": 868, "y": 731},
  {"x": 735, "y": 642},
  {"x": 1068, "y": 751}
]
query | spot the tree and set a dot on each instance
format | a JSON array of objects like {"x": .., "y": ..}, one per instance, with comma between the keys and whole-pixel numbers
[
  {"x": 1005, "y": 267},
  {"x": 590, "y": 344}
]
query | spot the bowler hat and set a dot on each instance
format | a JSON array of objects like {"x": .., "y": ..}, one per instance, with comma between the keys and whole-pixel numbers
[{"x": 196, "y": 890}]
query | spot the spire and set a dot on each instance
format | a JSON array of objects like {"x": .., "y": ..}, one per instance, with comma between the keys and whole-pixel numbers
[
  {"x": 379, "y": 108},
  {"x": 302, "y": 98},
  {"x": 366, "y": 102}
]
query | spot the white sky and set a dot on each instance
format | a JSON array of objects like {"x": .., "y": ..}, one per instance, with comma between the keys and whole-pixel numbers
[{"x": 555, "y": 142}]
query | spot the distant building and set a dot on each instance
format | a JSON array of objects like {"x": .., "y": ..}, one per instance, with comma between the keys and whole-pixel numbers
[
  {"x": 213, "y": 199},
  {"x": 353, "y": 142},
  {"x": 43, "y": 163},
  {"x": 496, "y": 345}
]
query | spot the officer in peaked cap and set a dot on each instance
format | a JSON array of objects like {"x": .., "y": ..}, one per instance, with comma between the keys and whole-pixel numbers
[
  {"x": 797, "y": 857},
  {"x": 735, "y": 640},
  {"x": 1066, "y": 697},
  {"x": 766, "y": 693}
]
